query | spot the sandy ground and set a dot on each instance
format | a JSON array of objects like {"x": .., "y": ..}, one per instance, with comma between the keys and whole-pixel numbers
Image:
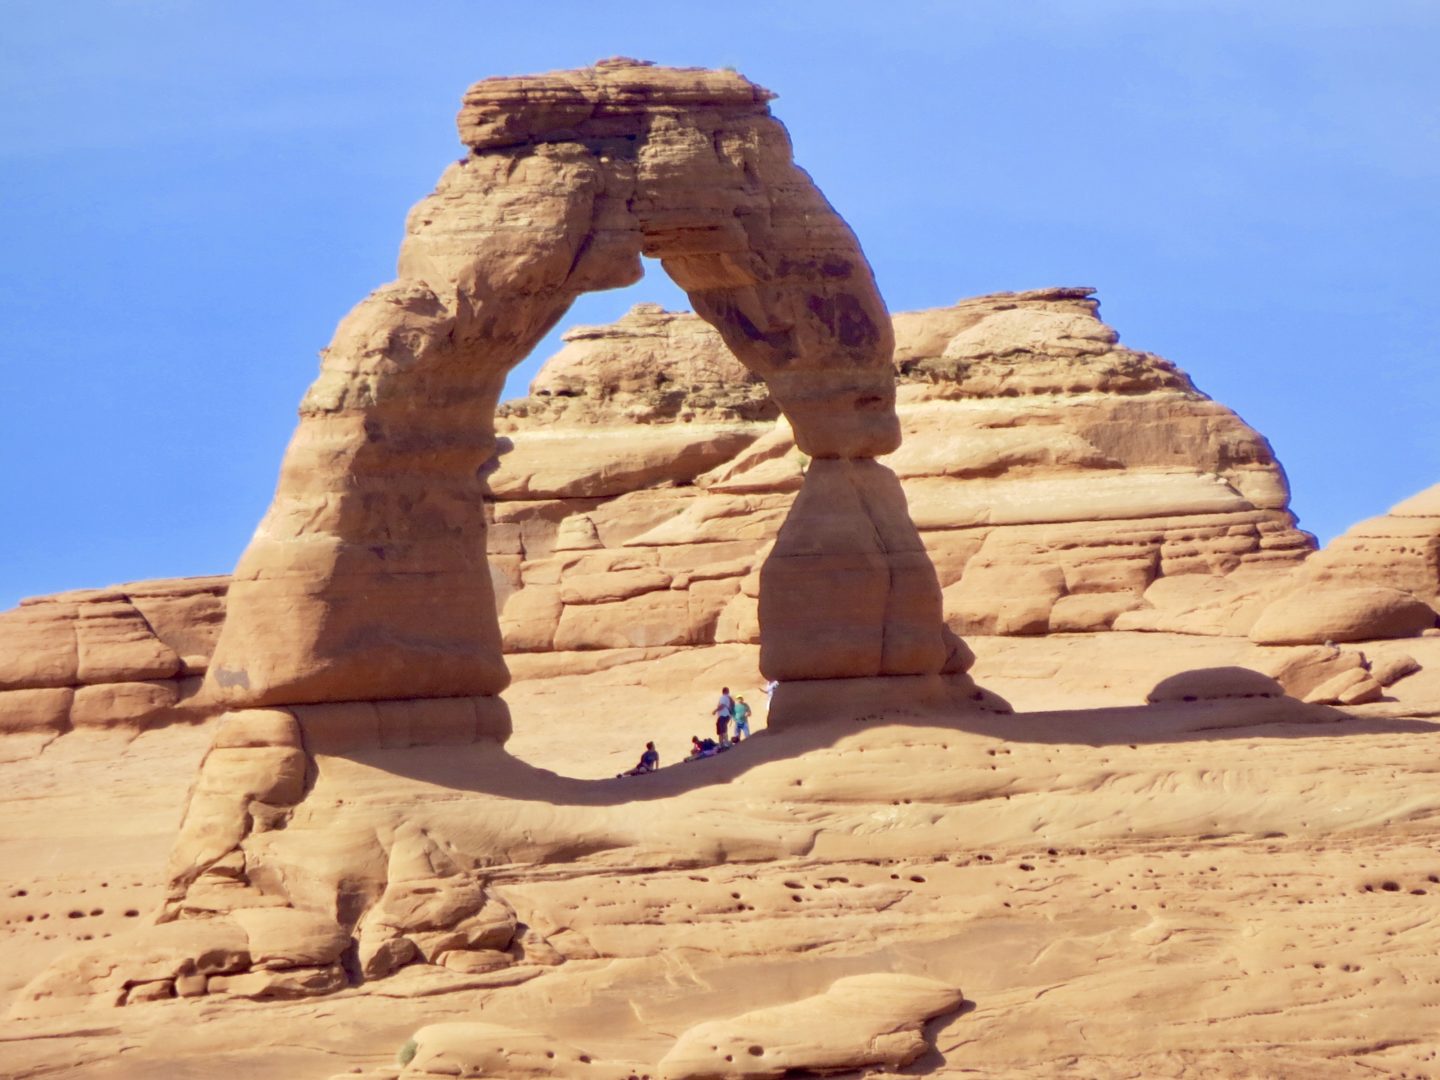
[{"x": 1230, "y": 889}]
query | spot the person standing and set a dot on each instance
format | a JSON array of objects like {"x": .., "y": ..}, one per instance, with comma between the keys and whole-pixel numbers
[
  {"x": 724, "y": 710},
  {"x": 769, "y": 689},
  {"x": 742, "y": 719}
]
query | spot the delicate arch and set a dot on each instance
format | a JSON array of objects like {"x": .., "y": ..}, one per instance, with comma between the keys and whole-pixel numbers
[{"x": 367, "y": 579}]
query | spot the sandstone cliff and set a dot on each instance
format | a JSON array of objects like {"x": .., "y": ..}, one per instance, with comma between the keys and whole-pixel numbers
[
  {"x": 1055, "y": 475},
  {"x": 130, "y": 656}
]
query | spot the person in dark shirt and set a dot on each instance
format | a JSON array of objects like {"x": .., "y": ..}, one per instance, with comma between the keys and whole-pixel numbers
[{"x": 649, "y": 762}]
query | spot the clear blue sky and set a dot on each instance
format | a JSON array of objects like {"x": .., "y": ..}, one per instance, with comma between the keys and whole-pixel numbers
[{"x": 192, "y": 194}]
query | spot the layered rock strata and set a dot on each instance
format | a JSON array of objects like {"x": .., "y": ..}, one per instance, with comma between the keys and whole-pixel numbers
[
  {"x": 1060, "y": 482},
  {"x": 130, "y": 656}
]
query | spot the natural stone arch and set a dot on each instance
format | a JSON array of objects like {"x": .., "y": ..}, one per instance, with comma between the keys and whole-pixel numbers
[
  {"x": 367, "y": 579},
  {"x": 363, "y": 604}
]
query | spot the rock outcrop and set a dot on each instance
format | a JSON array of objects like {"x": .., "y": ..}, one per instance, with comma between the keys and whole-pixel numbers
[
  {"x": 368, "y": 578},
  {"x": 1379, "y": 579},
  {"x": 804, "y": 902},
  {"x": 361, "y": 619},
  {"x": 860, "y": 1021},
  {"x": 130, "y": 656},
  {"x": 1060, "y": 482},
  {"x": 857, "y": 1022}
]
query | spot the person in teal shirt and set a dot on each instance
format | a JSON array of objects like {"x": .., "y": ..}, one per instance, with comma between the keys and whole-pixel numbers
[{"x": 742, "y": 719}]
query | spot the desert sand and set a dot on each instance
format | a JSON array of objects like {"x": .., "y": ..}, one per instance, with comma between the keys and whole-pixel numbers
[
  {"x": 1083, "y": 761},
  {"x": 1240, "y": 888}
]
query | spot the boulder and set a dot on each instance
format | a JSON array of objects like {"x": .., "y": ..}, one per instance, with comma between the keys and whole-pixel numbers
[
  {"x": 1215, "y": 684},
  {"x": 1391, "y": 669},
  {"x": 1301, "y": 670},
  {"x": 1353, "y": 686},
  {"x": 1314, "y": 614},
  {"x": 102, "y": 973},
  {"x": 860, "y": 1022},
  {"x": 280, "y": 937}
]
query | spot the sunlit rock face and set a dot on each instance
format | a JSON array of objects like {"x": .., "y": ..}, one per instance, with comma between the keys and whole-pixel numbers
[
  {"x": 362, "y": 621},
  {"x": 128, "y": 657},
  {"x": 368, "y": 579},
  {"x": 675, "y": 490},
  {"x": 1060, "y": 483},
  {"x": 1378, "y": 579}
]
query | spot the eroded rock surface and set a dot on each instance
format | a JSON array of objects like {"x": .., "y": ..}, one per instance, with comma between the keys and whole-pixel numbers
[
  {"x": 361, "y": 618},
  {"x": 859, "y": 1021},
  {"x": 1060, "y": 482},
  {"x": 357, "y": 824},
  {"x": 130, "y": 656},
  {"x": 1379, "y": 579},
  {"x": 368, "y": 579}
]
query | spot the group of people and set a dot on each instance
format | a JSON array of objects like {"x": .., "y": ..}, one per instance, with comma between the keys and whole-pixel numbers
[{"x": 728, "y": 711}]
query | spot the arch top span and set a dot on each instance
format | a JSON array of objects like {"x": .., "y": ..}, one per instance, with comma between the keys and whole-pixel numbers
[
  {"x": 367, "y": 579},
  {"x": 572, "y": 176},
  {"x": 604, "y": 102}
]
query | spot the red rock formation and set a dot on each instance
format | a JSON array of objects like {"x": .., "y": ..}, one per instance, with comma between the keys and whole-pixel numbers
[
  {"x": 1060, "y": 482},
  {"x": 1063, "y": 483},
  {"x": 368, "y": 580},
  {"x": 362, "y": 619},
  {"x": 129, "y": 656},
  {"x": 1379, "y": 579}
]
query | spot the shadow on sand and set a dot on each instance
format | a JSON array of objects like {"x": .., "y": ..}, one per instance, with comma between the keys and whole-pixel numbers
[{"x": 495, "y": 771}]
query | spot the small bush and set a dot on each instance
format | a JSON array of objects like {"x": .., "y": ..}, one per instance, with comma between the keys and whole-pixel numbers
[{"x": 407, "y": 1052}]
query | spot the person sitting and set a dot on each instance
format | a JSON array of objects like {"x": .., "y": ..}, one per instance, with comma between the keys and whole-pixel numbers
[
  {"x": 702, "y": 748},
  {"x": 649, "y": 762}
]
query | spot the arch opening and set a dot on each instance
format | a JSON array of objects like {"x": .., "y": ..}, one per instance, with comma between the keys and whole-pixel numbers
[{"x": 368, "y": 579}]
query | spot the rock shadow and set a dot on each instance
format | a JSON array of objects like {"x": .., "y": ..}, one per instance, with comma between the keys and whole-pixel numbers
[{"x": 492, "y": 770}]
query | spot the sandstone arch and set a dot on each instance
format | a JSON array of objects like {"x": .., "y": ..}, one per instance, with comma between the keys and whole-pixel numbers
[{"x": 367, "y": 578}]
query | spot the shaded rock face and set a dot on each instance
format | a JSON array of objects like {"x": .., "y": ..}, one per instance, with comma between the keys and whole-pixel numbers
[{"x": 368, "y": 579}]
